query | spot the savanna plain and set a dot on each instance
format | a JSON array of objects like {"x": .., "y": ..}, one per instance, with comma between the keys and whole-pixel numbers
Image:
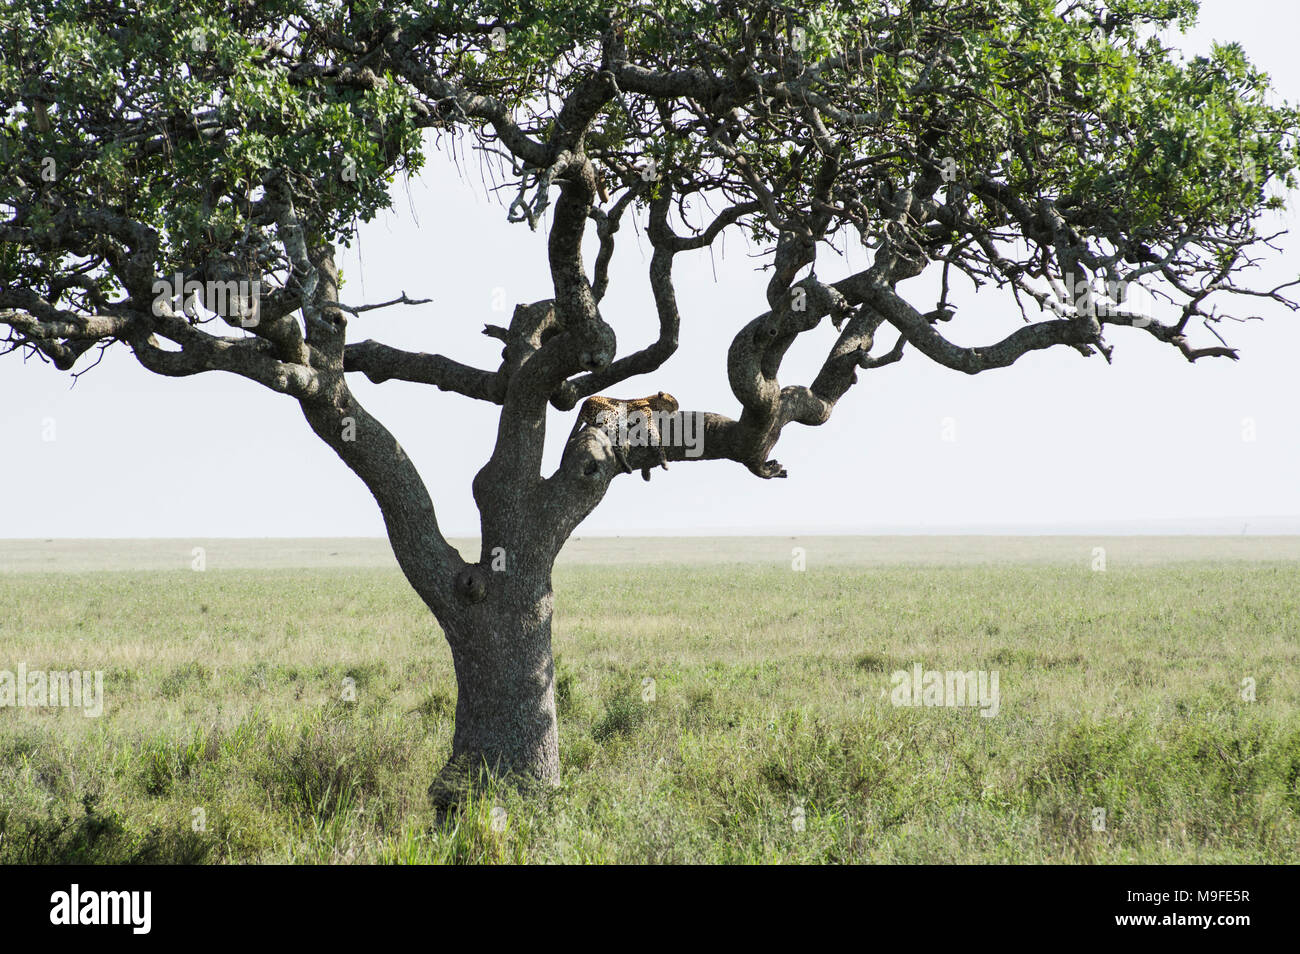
[{"x": 291, "y": 702}]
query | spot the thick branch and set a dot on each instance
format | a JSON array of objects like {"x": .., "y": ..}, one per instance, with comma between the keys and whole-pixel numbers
[{"x": 380, "y": 362}]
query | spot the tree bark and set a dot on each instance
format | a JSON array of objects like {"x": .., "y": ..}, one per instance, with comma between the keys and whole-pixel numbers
[
  {"x": 505, "y": 682},
  {"x": 505, "y": 710}
]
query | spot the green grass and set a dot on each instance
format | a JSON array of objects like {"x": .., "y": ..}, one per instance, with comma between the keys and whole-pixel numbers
[{"x": 224, "y": 712}]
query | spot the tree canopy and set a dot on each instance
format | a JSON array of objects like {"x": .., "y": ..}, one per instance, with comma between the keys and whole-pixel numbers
[{"x": 1044, "y": 147}]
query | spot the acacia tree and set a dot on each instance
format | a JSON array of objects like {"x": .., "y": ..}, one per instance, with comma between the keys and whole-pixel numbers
[{"x": 1055, "y": 151}]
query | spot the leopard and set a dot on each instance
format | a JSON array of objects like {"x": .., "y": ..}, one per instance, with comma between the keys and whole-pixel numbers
[{"x": 608, "y": 412}]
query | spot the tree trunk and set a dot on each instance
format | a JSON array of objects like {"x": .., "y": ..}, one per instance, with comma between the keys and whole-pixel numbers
[{"x": 505, "y": 701}]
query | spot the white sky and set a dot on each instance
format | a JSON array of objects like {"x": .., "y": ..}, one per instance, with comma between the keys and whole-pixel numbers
[{"x": 1056, "y": 442}]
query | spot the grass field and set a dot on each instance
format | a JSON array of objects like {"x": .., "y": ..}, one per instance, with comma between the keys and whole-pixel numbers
[{"x": 226, "y": 737}]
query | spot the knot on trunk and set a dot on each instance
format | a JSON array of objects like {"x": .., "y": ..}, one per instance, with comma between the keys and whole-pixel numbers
[{"x": 471, "y": 584}]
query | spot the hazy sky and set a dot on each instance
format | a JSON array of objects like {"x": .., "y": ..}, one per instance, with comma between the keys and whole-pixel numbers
[{"x": 1056, "y": 440}]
